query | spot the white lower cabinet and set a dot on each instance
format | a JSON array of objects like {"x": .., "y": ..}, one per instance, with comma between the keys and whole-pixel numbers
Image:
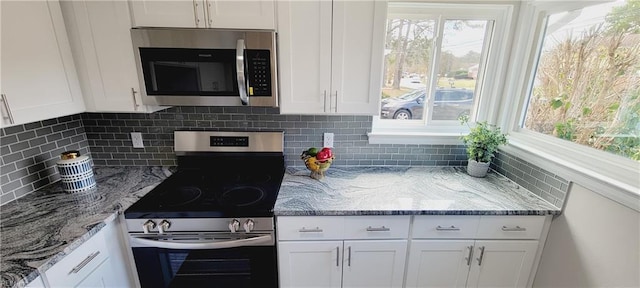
[
  {"x": 502, "y": 263},
  {"x": 310, "y": 263},
  {"x": 335, "y": 251},
  {"x": 439, "y": 263},
  {"x": 443, "y": 251},
  {"x": 468, "y": 263},
  {"x": 365, "y": 263},
  {"x": 98, "y": 262},
  {"x": 373, "y": 263}
]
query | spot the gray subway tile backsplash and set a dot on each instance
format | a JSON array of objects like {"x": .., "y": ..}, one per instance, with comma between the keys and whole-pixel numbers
[
  {"x": 30, "y": 151},
  {"x": 545, "y": 184},
  {"x": 301, "y": 131}
]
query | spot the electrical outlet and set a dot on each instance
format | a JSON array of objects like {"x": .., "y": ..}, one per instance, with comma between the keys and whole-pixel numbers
[
  {"x": 328, "y": 140},
  {"x": 136, "y": 138}
]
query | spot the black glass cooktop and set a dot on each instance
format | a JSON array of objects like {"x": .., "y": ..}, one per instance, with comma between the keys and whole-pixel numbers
[{"x": 249, "y": 189}]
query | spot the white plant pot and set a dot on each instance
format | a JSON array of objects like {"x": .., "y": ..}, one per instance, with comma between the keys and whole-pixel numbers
[{"x": 477, "y": 169}]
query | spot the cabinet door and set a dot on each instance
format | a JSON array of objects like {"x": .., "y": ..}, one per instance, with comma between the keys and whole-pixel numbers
[
  {"x": 177, "y": 13},
  {"x": 304, "y": 38},
  {"x": 357, "y": 51},
  {"x": 439, "y": 263},
  {"x": 101, "y": 42},
  {"x": 241, "y": 14},
  {"x": 502, "y": 263},
  {"x": 370, "y": 263},
  {"x": 101, "y": 277},
  {"x": 310, "y": 263},
  {"x": 39, "y": 79}
]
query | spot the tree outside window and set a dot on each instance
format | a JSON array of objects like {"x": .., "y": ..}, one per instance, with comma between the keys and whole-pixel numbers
[{"x": 587, "y": 83}]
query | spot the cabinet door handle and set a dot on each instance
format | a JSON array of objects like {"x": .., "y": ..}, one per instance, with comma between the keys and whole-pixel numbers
[
  {"x": 511, "y": 229},
  {"x": 470, "y": 256},
  {"x": 135, "y": 102},
  {"x": 305, "y": 230},
  {"x": 325, "y": 101},
  {"x": 336, "y": 107},
  {"x": 337, "y": 256},
  {"x": 378, "y": 229},
  {"x": 450, "y": 228},
  {"x": 481, "y": 255},
  {"x": 195, "y": 12},
  {"x": 5, "y": 101},
  {"x": 83, "y": 263},
  {"x": 349, "y": 260},
  {"x": 209, "y": 14}
]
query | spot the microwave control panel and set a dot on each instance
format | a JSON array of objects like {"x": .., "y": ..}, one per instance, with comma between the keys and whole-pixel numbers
[{"x": 258, "y": 72}]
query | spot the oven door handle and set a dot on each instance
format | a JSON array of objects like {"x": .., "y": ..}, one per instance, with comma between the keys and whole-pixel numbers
[
  {"x": 143, "y": 242},
  {"x": 242, "y": 83}
]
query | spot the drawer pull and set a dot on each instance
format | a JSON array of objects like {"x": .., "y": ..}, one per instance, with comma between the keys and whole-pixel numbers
[
  {"x": 312, "y": 230},
  {"x": 450, "y": 228},
  {"x": 378, "y": 229},
  {"x": 511, "y": 229},
  {"x": 83, "y": 263}
]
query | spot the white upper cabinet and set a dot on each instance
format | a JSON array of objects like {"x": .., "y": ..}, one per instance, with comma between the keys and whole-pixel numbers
[
  {"x": 99, "y": 32},
  {"x": 39, "y": 79},
  {"x": 204, "y": 14},
  {"x": 330, "y": 55}
]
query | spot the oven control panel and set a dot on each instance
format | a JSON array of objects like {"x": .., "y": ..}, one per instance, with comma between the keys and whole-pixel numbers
[
  {"x": 227, "y": 141},
  {"x": 233, "y": 225}
]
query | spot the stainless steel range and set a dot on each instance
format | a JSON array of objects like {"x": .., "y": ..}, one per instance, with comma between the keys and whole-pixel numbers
[{"x": 211, "y": 223}]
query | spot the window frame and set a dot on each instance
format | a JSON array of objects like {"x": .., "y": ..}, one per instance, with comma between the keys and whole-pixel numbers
[
  {"x": 504, "y": 17},
  {"x": 610, "y": 175}
]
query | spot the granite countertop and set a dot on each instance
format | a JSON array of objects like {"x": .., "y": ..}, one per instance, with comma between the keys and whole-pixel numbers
[
  {"x": 405, "y": 191},
  {"x": 38, "y": 230}
]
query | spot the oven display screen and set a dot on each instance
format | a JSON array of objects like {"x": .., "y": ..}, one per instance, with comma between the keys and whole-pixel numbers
[{"x": 222, "y": 141}]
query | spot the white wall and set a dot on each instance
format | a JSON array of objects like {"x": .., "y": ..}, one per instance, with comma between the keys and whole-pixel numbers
[{"x": 595, "y": 243}]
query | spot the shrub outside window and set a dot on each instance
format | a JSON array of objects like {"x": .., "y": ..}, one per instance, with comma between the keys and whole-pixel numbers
[{"x": 586, "y": 87}]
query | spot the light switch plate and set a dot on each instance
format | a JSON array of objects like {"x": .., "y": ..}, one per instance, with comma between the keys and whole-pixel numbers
[
  {"x": 328, "y": 140},
  {"x": 136, "y": 139}
]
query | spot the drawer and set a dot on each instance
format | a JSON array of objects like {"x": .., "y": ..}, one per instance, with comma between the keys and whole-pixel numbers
[
  {"x": 445, "y": 227},
  {"x": 376, "y": 227},
  {"x": 310, "y": 227},
  {"x": 76, "y": 266},
  {"x": 510, "y": 227}
]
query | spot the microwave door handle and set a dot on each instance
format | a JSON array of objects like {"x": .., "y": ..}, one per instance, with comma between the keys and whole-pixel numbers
[
  {"x": 242, "y": 84},
  {"x": 142, "y": 242}
]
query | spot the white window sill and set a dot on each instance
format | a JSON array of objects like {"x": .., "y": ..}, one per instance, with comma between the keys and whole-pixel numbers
[{"x": 609, "y": 175}]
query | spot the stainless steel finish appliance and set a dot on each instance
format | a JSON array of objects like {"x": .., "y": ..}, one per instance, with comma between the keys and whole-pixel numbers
[
  {"x": 211, "y": 223},
  {"x": 206, "y": 67}
]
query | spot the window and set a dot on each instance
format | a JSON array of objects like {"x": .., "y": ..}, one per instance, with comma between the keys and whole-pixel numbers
[
  {"x": 572, "y": 91},
  {"x": 586, "y": 87},
  {"x": 441, "y": 61}
]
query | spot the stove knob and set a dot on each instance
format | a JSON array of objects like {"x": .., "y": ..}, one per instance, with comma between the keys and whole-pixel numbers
[
  {"x": 164, "y": 226},
  {"x": 248, "y": 225},
  {"x": 234, "y": 225},
  {"x": 148, "y": 226}
]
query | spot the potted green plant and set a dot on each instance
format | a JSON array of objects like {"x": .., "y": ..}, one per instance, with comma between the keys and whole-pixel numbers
[{"x": 482, "y": 143}]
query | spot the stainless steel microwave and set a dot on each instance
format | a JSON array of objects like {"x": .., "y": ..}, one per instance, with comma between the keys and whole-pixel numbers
[{"x": 206, "y": 67}]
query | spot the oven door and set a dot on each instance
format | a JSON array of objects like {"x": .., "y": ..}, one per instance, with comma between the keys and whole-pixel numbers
[{"x": 205, "y": 260}]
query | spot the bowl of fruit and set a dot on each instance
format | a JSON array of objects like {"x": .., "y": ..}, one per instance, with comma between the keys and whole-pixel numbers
[{"x": 318, "y": 161}]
